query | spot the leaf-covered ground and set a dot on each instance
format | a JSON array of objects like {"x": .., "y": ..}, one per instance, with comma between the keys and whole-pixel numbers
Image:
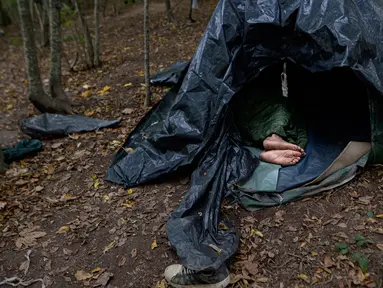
[{"x": 60, "y": 222}]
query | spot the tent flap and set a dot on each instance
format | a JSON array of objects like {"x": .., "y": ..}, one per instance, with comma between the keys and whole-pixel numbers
[{"x": 191, "y": 126}]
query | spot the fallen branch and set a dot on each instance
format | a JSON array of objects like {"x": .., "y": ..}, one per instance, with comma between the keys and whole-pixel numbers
[{"x": 16, "y": 281}]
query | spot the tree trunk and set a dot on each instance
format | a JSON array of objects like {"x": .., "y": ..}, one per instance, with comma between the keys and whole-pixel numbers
[
  {"x": 3, "y": 166},
  {"x": 42, "y": 11},
  {"x": 191, "y": 12},
  {"x": 88, "y": 39},
  {"x": 36, "y": 93},
  {"x": 45, "y": 20},
  {"x": 4, "y": 18},
  {"x": 55, "y": 71},
  {"x": 104, "y": 5},
  {"x": 96, "y": 44},
  {"x": 148, "y": 100},
  {"x": 169, "y": 11}
]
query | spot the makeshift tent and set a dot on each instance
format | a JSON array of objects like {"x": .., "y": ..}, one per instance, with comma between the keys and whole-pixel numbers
[{"x": 333, "y": 51}]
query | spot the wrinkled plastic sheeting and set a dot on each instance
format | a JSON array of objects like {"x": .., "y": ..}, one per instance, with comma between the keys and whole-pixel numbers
[
  {"x": 194, "y": 226},
  {"x": 170, "y": 76},
  {"x": 21, "y": 150},
  {"x": 242, "y": 38},
  {"x": 53, "y": 125}
]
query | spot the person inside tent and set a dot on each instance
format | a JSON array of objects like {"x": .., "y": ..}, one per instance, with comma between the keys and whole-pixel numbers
[{"x": 268, "y": 118}]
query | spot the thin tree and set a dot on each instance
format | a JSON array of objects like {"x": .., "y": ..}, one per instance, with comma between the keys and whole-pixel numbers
[
  {"x": 55, "y": 39},
  {"x": 169, "y": 11},
  {"x": 148, "y": 100},
  {"x": 4, "y": 18},
  {"x": 3, "y": 166},
  {"x": 104, "y": 5},
  {"x": 96, "y": 44},
  {"x": 88, "y": 39},
  {"x": 191, "y": 12},
  {"x": 42, "y": 11},
  {"x": 36, "y": 93}
]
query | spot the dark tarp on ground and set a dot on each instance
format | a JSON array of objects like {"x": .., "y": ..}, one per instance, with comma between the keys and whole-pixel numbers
[
  {"x": 53, "y": 125},
  {"x": 21, "y": 150},
  {"x": 192, "y": 125}
]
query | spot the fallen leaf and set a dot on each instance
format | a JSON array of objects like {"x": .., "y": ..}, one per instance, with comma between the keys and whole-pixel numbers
[
  {"x": 262, "y": 279},
  {"x": 380, "y": 246},
  {"x": 106, "y": 197},
  {"x": 48, "y": 265},
  {"x": 50, "y": 170},
  {"x": 314, "y": 279},
  {"x": 105, "y": 90},
  {"x": 140, "y": 73},
  {"x": 130, "y": 191},
  {"x": 161, "y": 284},
  {"x": 222, "y": 226},
  {"x": 97, "y": 269},
  {"x": 2, "y": 205},
  {"x": 110, "y": 246},
  {"x": 314, "y": 254},
  {"x": 292, "y": 229},
  {"x": 86, "y": 93},
  {"x": 67, "y": 197},
  {"x": 328, "y": 263},
  {"x": 29, "y": 237},
  {"x": 67, "y": 251},
  {"x": 127, "y": 111},
  {"x": 304, "y": 277},
  {"x": 365, "y": 200},
  {"x": 39, "y": 188},
  {"x": 133, "y": 253},
  {"x": 342, "y": 225},
  {"x": 154, "y": 244},
  {"x": 128, "y": 204},
  {"x": 103, "y": 279},
  {"x": 122, "y": 261},
  {"x": 82, "y": 275},
  {"x": 89, "y": 113},
  {"x": 63, "y": 230},
  {"x": 361, "y": 276},
  {"x": 21, "y": 182},
  {"x": 57, "y": 145},
  {"x": 252, "y": 268},
  {"x": 25, "y": 265},
  {"x": 255, "y": 232},
  {"x": 379, "y": 216},
  {"x": 128, "y": 84}
]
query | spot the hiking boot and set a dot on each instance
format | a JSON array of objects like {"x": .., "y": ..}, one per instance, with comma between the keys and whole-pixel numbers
[{"x": 179, "y": 276}]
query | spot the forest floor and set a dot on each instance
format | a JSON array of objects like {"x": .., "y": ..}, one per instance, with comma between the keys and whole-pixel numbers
[{"x": 61, "y": 222}]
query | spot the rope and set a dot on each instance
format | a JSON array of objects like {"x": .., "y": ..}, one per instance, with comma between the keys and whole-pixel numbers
[{"x": 285, "y": 89}]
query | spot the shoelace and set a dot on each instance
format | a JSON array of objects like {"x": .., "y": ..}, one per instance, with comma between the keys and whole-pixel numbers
[{"x": 187, "y": 271}]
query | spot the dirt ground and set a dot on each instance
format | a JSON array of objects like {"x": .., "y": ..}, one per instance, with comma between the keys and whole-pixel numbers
[{"x": 61, "y": 223}]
